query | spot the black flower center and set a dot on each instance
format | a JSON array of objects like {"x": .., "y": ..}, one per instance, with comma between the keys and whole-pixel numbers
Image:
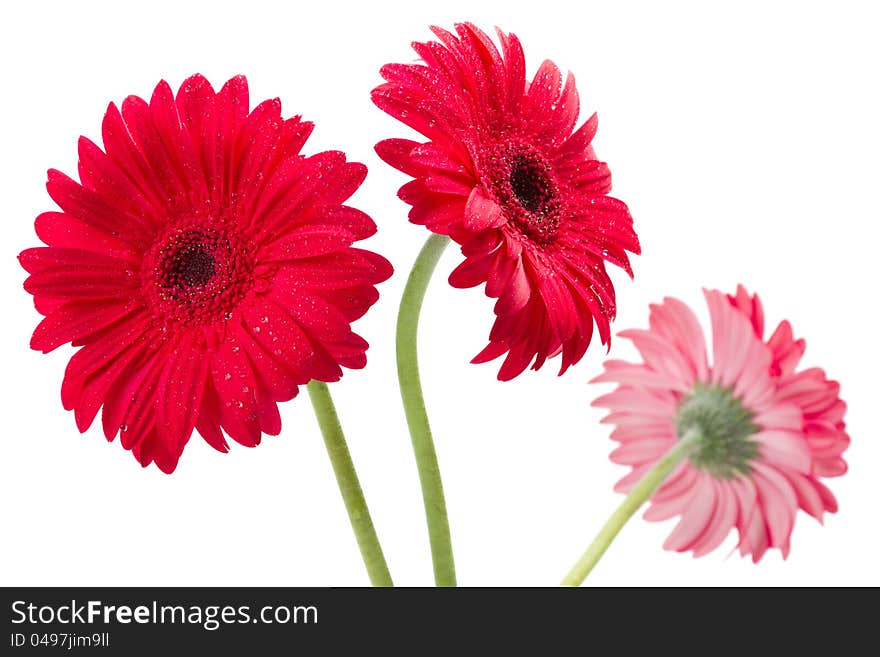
[
  {"x": 530, "y": 183},
  {"x": 198, "y": 272},
  {"x": 194, "y": 266},
  {"x": 724, "y": 429},
  {"x": 522, "y": 182}
]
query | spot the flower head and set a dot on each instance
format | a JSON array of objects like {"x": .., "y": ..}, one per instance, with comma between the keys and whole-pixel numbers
[
  {"x": 506, "y": 175},
  {"x": 204, "y": 268},
  {"x": 765, "y": 433}
]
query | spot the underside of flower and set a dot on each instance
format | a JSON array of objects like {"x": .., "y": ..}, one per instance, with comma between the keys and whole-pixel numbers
[
  {"x": 725, "y": 429},
  {"x": 764, "y": 433}
]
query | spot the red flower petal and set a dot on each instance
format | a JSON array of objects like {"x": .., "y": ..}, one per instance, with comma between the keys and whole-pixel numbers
[
  {"x": 396, "y": 152},
  {"x": 102, "y": 212},
  {"x": 198, "y": 110},
  {"x": 308, "y": 242},
  {"x": 137, "y": 116},
  {"x": 182, "y": 384},
  {"x": 233, "y": 379},
  {"x": 481, "y": 212},
  {"x": 65, "y": 231},
  {"x": 128, "y": 160},
  {"x": 353, "y": 221},
  {"x": 74, "y": 321},
  {"x": 100, "y": 174}
]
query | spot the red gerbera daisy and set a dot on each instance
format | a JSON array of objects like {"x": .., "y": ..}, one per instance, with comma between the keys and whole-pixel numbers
[
  {"x": 505, "y": 175},
  {"x": 203, "y": 266},
  {"x": 766, "y": 434}
]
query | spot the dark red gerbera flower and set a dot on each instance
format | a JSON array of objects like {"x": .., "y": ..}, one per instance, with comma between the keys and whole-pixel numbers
[
  {"x": 505, "y": 175},
  {"x": 204, "y": 268}
]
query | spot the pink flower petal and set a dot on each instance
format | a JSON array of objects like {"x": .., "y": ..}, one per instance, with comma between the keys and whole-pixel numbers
[
  {"x": 778, "y": 503},
  {"x": 785, "y": 449},
  {"x": 722, "y": 520},
  {"x": 695, "y": 518},
  {"x": 676, "y": 322}
]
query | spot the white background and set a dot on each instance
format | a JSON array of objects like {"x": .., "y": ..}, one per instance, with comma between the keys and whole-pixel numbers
[{"x": 744, "y": 140}]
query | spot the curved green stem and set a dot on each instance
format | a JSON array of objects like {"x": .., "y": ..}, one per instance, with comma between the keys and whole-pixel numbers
[
  {"x": 414, "y": 406},
  {"x": 349, "y": 486},
  {"x": 637, "y": 496}
]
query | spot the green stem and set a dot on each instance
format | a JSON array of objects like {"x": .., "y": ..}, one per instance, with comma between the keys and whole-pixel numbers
[
  {"x": 414, "y": 406},
  {"x": 637, "y": 496},
  {"x": 349, "y": 486}
]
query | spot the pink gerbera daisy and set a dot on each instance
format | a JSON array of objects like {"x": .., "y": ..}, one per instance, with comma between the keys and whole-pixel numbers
[
  {"x": 204, "y": 268},
  {"x": 506, "y": 175},
  {"x": 764, "y": 434}
]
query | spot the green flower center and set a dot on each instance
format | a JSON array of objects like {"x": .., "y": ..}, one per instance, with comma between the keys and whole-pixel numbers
[{"x": 725, "y": 447}]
